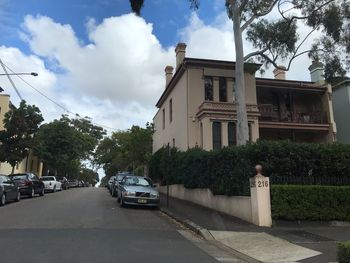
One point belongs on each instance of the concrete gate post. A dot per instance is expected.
(260, 199)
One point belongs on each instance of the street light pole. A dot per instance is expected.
(10, 79)
(16, 74)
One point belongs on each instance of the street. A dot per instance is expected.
(87, 225)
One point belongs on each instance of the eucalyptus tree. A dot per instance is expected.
(275, 37)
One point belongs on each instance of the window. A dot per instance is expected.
(231, 133)
(201, 135)
(250, 131)
(216, 135)
(222, 89)
(208, 88)
(171, 110)
(163, 119)
(233, 91)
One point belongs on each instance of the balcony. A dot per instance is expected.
(269, 114)
(224, 108)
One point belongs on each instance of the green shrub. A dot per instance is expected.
(344, 252)
(310, 202)
(227, 171)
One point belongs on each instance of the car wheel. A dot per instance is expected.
(3, 200)
(18, 197)
(42, 192)
(32, 193)
(122, 203)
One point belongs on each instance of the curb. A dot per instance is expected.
(189, 224)
(204, 233)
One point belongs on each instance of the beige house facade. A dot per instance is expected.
(31, 163)
(197, 107)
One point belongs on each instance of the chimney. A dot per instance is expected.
(316, 72)
(180, 51)
(280, 73)
(168, 75)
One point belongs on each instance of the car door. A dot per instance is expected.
(10, 188)
(36, 182)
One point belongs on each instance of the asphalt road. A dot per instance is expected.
(87, 225)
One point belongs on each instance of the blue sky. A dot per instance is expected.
(167, 16)
(95, 57)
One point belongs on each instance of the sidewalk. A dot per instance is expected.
(305, 239)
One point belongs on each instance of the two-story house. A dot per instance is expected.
(197, 107)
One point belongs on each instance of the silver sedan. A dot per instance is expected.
(137, 190)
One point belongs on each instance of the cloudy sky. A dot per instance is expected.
(97, 59)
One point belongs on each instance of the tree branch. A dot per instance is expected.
(256, 53)
(248, 22)
(282, 13)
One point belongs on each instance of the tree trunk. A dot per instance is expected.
(242, 118)
(13, 169)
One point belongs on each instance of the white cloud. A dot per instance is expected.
(118, 75)
(216, 41)
(116, 78)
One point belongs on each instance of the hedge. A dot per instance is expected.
(344, 252)
(227, 171)
(310, 202)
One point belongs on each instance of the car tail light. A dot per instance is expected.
(28, 182)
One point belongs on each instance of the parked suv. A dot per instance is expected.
(29, 184)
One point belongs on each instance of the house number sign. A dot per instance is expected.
(259, 184)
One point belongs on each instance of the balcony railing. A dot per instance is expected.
(269, 113)
(223, 106)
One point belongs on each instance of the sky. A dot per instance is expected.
(97, 59)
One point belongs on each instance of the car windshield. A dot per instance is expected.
(3, 178)
(120, 177)
(137, 181)
(19, 177)
(48, 178)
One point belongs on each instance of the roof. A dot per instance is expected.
(209, 63)
(290, 84)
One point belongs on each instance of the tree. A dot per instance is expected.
(58, 145)
(17, 139)
(89, 176)
(276, 40)
(126, 150)
(64, 144)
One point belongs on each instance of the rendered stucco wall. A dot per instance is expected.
(238, 206)
(341, 107)
(177, 128)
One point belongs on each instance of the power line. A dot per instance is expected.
(47, 97)
(10, 79)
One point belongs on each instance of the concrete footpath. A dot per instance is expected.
(308, 242)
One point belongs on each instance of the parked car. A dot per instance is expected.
(8, 190)
(81, 183)
(73, 183)
(29, 184)
(137, 190)
(64, 181)
(110, 181)
(51, 184)
(115, 187)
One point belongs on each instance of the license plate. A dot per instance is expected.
(142, 201)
